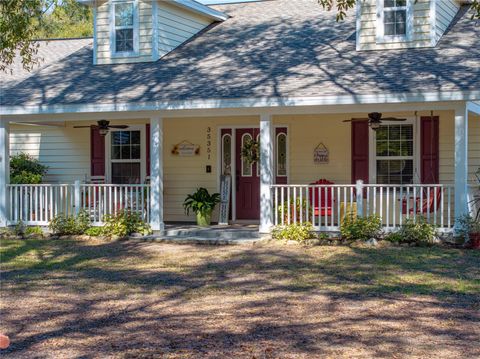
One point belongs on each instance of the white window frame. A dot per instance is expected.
(373, 151)
(381, 37)
(143, 153)
(113, 29)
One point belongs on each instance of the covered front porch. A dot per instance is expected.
(287, 184)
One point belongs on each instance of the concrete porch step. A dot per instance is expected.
(202, 240)
(213, 232)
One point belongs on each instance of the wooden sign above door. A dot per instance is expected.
(186, 148)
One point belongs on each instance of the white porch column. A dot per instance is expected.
(461, 161)
(4, 171)
(156, 174)
(266, 173)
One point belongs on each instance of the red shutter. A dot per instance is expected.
(429, 149)
(147, 144)
(360, 151)
(97, 152)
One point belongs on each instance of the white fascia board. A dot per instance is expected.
(201, 9)
(260, 102)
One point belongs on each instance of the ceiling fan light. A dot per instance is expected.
(103, 131)
(374, 125)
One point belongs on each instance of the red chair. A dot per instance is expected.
(424, 204)
(322, 206)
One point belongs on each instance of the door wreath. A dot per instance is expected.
(251, 151)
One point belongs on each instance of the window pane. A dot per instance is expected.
(135, 137)
(389, 29)
(394, 132)
(116, 152)
(125, 152)
(382, 133)
(124, 14)
(126, 173)
(382, 148)
(135, 152)
(389, 3)
(406, 132)
(394, 149)
(407, 148)
(389, 17)
(282, 155)
(401, 2)
(246, 167)
(124, 40)
(395, 171)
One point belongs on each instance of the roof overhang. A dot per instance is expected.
(191, 5)
(244, 103)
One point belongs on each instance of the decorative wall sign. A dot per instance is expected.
(320, 154)
(225, 188)
(186, 148)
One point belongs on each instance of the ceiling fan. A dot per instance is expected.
(375, 120)
(104, 126)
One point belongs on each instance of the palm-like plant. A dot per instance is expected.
(202, 204)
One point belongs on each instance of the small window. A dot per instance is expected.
(395, 18)
(281, 155)
(124, 27)
(395, 154)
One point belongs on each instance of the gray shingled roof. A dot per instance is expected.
(278, 48)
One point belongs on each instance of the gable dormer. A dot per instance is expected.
(397, 24)
(127, 31)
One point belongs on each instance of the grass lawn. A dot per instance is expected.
(129, 299)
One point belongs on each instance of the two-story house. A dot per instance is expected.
(379, 112)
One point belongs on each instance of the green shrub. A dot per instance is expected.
(414, 231)
(94, 231)
(467, 225)
(287, 209)
(294, 232)
(70, 225)
(362, 228)
(24, 169)
(33, 230)
(124, 223)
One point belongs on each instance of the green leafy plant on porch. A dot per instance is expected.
(414, 230)
(361, 228)
(294, 232)
(292, 209)
(24, 169)
(123, 224)
(202, 203)
(66, 225)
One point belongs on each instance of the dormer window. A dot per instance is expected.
(124, 31)
(393, 23)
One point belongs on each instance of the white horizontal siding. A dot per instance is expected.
(176, 25)
(171, 27)
(445, 11)
(66, 151)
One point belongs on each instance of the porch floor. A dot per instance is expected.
(215, 234)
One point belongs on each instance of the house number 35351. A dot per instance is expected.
(209, 143)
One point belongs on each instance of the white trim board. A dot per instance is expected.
(260, 102)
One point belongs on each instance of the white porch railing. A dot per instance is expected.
(324, 206)
(38, 204)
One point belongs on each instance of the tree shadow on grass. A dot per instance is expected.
(300, 301)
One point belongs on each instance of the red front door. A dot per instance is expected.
(247, 178)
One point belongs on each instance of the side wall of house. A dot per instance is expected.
(175, 26)
(421, 32)
(162, 27)
(67, 151)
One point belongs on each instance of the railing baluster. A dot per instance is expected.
(289, 205)
(449, 207)
(301, 205)
(275, 206)
(282, 213)
(442, 213)
(387, 205)
(320, 190)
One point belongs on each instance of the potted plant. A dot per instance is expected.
(470, 230)
(202, 204)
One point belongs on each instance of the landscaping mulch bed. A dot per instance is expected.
(128, 299)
